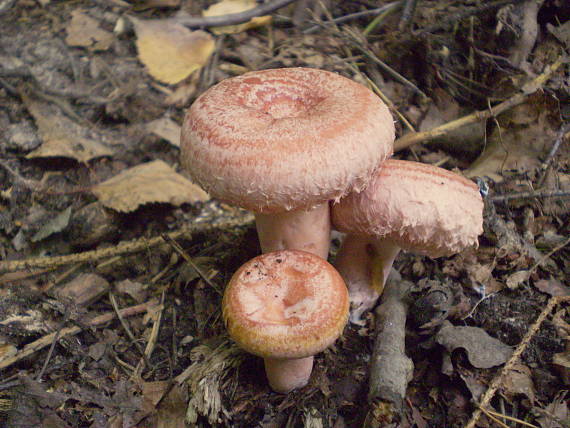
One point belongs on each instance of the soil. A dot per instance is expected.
(76, 111)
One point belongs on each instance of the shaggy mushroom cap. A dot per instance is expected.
(421, 208)
(285, 139)
(285, 304)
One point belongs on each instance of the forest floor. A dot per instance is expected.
(112, 263)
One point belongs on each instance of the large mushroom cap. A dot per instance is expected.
(422, 208)
(282, 139)
(285, 304)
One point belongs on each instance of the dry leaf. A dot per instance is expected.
(147, 183)
(519, 381)
(84, 31)
(165, 128)
(228, 7)
(553, 287)
(61, 136)
(522, 138)
(54, 225)
(483, 351)
(518, 278)
(170, 51)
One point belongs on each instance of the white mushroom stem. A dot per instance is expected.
(285, 375)
(365, 264)
(307, 230)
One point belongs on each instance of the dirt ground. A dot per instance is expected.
(113, 264)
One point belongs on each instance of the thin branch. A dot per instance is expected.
(46, 340)
(498, 380)
(563, 133)
(232, 19)
(530, 195)
(176, 246)
(240, 219)
(352, 16)
(426, 136)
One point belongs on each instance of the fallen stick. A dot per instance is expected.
(390, 368)
(241, 219)
(426, 136)
(498, 380)
(47, 340)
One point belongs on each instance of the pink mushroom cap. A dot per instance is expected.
(286, 304)
(421, 208)
(285, 139)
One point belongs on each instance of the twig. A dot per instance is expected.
(426, 136)
(530, 195)
(46, 340)
(189, 260)
(563, 133)
(497, 381)
(509, 418)
(407, 14)
(240, 219)
(232, 19)
(352, 16)
(348, 35)
(548, 255)
(126, 327)
(390, 368)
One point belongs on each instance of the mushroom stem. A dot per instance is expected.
(285, 375)
(307, 230)
(365, 263)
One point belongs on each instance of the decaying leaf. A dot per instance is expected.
(84, 289)
(553, 287)
(516, 279)
(228, 7)
(165, 128)
(85, 32)
(134, 289)
(519, 142)
(519, 381)
(483, 351)
(55, 225)
(170, 51)
(147, 183)
(61, 136)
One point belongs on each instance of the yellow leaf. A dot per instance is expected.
(228, 7)
(170, 51)
(152, 182)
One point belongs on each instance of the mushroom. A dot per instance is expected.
(286, 306)
(282, 143)
(408, 205)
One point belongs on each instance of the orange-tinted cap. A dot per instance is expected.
(422, 208)
(283, 139)
(285, 304)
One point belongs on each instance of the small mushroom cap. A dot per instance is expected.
(422, 208)
(283, 139)
(285, 304)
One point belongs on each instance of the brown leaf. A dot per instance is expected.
(147, 183)
(84, 289)
(553, 287)
(61, 136)
(170, 51)
(483, 351)
(84, 31)
(165, 128)
(519, 381)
